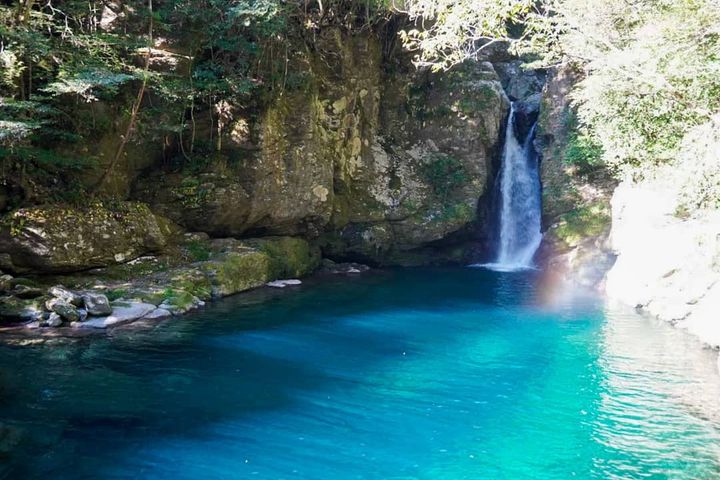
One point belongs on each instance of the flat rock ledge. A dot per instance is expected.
(122, 313)
(100, 302)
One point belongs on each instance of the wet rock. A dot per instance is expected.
(96, 304)
(55, 320)
(58, 291)
(63, 308)
(283, 283)
(5, 282)
(13, 309)
(157, 313)
(328, 266)
(123, 312)
(24, 291)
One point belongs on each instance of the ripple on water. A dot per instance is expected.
(416, 374)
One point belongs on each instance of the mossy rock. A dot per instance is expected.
(177, 300)
(289, 256)
(235, 272)
(583, 222)
(193, 281)
(13, 309)
(61, 239)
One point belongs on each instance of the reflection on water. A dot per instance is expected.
(414, 374)
(639, 412)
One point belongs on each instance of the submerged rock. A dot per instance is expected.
(10, 438)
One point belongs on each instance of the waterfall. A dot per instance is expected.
(520, 209)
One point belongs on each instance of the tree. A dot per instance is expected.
(651, 67)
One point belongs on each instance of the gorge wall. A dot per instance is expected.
(364, 156)
(631, 240)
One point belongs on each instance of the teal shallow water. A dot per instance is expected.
(412, 374)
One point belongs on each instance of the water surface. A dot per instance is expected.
(409, 374)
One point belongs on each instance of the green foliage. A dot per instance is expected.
(198, 251)
(582, 151)
(445, 174)
(585, 221)
(116, 294)
(454, 30)
(86, 83)
(651, 72)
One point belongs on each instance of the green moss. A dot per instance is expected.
(478, 102)
(457, 213)
(193, 281)
(190, 192)
(180, 299)
(236, 272)
(116, 293)
(289, 257)
(133, 270)
(198, 250)
(583, 222)
(445, 174)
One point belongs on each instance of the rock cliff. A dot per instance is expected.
(356, 151)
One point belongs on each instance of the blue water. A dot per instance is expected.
(411, 374)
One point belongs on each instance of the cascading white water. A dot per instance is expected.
(520, 234)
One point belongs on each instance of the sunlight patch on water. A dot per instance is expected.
(504, 267)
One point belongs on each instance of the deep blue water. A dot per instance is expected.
(410, 374)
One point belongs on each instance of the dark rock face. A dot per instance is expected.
(370, 159)
(524, 88)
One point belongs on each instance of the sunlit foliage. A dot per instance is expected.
(651, 70)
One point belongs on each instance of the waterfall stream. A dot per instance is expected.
(520, 208)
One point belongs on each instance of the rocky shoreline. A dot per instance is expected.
(156, 287)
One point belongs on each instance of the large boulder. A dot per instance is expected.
(57, 239)
(96, 304)
(252, 263)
